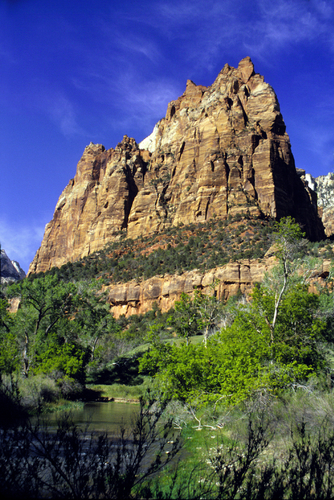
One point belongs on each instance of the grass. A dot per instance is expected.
(62, 405)
(186, 476)
(140, 349)
(197, 339)
(121, 391)
(282, 443)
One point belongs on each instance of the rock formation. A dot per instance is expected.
(219, 150)
(324, 188)
(138, 297)
(10, 270)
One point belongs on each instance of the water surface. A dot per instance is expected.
(107, 416)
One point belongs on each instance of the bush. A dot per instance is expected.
(36, 390)
(69, 387)
(72, 464)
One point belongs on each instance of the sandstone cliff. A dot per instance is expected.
(138, 297)
(219, 150)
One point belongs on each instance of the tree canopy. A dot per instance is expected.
(271, 342)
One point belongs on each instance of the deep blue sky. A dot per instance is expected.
(76, 71)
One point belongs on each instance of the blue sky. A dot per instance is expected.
(76, 71)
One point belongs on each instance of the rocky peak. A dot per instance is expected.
(324, 187)
(246, 69)
(220, 150)
(10, 270)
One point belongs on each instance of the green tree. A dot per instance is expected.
(67, 359)
(5, 318)
(185, 318)
(210, 311)
(241, 358)
(45, 302)
(9, 351)
(287, 239)
(271, 342)
(93, 317)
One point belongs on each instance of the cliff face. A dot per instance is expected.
(138, 297)
(219, 150)
(324, 188)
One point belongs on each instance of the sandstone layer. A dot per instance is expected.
(219, 150)
(138, 297)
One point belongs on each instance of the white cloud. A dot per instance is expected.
(325, 9)
(261, 27)
(139, 45)
(62, 112)
(151, 95)
(285, 22)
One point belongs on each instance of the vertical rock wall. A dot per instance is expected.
(219, 150)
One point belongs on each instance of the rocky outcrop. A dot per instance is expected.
(324, 188)
(139, 297)
(10, 270)
(327, 216)
(220, 150)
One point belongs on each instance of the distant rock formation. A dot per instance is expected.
(219, 151)
(324, 187)
(10, 270)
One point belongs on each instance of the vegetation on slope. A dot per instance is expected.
(63, 328)
(256, 352)
(183, 248)
(196, 246)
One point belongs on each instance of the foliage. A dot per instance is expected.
(57, 330)
(175, 249)
(65, 330)
(186, 319)
(46, 308)
(68, 359)
(273, 342)
(75, 464)
(210, 311)
(252, 459)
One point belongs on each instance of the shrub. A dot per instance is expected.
(38, 389)
(35, 463)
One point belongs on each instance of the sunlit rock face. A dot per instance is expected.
(139, 297)
(220, 150)
(11, 270)
(324, 187)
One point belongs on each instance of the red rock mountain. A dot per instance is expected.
(219, 150)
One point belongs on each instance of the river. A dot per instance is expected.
(106, 416)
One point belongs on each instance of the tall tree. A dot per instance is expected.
(185, 318)
(44, 303)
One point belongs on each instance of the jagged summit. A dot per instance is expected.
(10, 270)
(219, 151)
